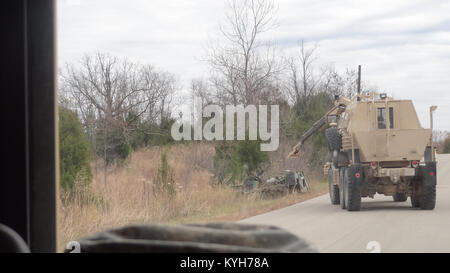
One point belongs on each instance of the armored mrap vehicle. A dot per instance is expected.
(377, 145)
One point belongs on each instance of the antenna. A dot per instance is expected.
(359, 82)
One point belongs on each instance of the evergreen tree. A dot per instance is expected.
(74, 151)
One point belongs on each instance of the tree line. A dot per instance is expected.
(114, 105)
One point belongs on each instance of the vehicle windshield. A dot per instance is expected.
(174, 112)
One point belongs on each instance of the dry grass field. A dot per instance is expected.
(127, 196)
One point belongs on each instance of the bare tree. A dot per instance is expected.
(302, 82)
(110, 94)
(440, 138)
(344, 84)
(349, 83)
(159, 87)
(243, 66)
(201, 89)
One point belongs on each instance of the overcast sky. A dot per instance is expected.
(402, 45)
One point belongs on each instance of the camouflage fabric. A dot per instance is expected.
(195, 238)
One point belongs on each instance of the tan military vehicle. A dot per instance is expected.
(377, 145)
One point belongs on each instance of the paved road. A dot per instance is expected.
(396, 226)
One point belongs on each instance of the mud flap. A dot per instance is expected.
(353, 185)
(428, 173)
(358, 180)
(427, 199)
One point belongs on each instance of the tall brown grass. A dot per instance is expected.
(127, 196)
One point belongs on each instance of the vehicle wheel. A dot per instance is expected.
(333, 189)
(334, 139)
(428, 198)
(400, 197)
(352, 192)
(415, 192)
(341, 188)
(415, 201)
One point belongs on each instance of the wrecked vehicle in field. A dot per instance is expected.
(291, 181)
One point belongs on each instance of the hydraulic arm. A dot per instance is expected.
(337, 109)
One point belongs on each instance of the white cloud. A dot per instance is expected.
(404, 46)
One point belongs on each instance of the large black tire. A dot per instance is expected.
(334, 139)
(415, 201)
(415, 194)
(400, 197)
(352, 191)
(341, 188)
(428, 198)
(333, 189)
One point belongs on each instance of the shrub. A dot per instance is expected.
(306, 113)
(117, 145)
(234, 161)
(164, 182)
(74, 151)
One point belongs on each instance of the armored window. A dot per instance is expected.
(381, 117)
(391, 117)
